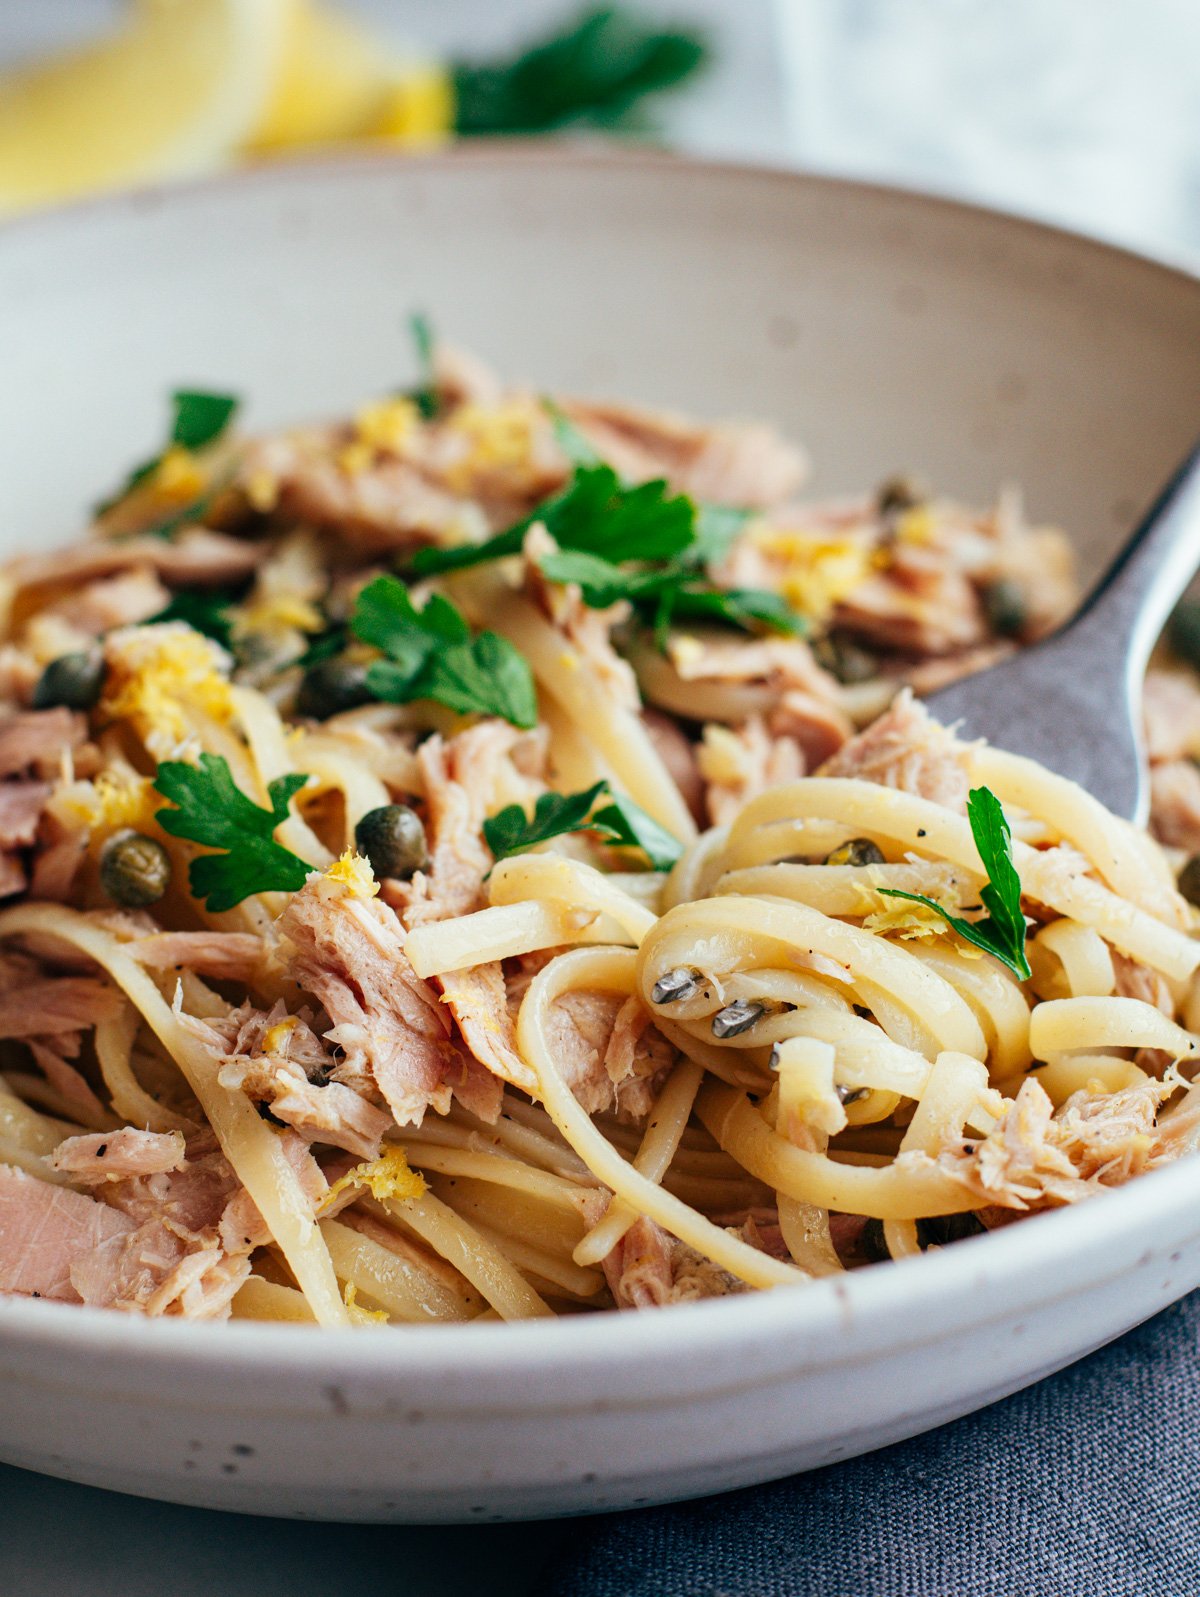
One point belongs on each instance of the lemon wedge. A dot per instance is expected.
(331, 82)
(179, 87)
(337, 81)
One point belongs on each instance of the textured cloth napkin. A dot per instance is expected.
(1087, 1485)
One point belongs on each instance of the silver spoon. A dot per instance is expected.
(1074, 701)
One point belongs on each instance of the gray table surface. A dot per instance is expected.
(62, 1540)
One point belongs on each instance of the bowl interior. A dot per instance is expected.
(886, 330)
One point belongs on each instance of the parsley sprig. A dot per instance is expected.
(214, 811)
(672, 592)
(425, 395)
(594, 513)
(430, 654)
(635, 542)
(598, 72)
(620, 822)
(199, 418)
(206, 611)
(1002, 931)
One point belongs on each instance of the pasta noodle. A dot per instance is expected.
(443, 882)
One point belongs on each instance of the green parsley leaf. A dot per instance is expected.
(661, 595)
(601, 582)
(597, 72)
(627, 824)
(621, 822)
(716, 528)
(213, 810)
(486, 677)
(749, 608)
(595, 513)
(206, 612)
(199, 418)
(386, 617)
(511, 830)
(431, 655)
(599, 515)
(1002, 931)
(425, 395)
(323, 646)
(578, 449)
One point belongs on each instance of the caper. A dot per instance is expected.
(73, 681)
(1189, 880)
(1183, 632)
(684, 982)
(737, 1017)
(393, 839)
(844, 659)
(938, 1230)
(134, 870)
(858, 851)
(1005, 606)
(898, 494)
(331, 686)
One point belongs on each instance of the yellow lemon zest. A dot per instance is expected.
(910, 921)
(112, 802)
(387, 425)
(354, 873)
(279, 613)
(178, 475)
(354, 458)
(386, 1177)
(917, 526)
(262, 490)
(817, 578)
(499, 438)
(358, 1314)
(157, 673)
(275, 1037)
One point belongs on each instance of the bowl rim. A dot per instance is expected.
(613, 1341)
(906, 1292)
(589, 154)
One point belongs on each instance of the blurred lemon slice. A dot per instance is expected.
(338, 81)
(331, 83)
(180, 86)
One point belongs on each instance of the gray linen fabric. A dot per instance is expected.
(1087, 1485)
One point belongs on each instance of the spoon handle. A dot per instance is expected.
(1126, 611)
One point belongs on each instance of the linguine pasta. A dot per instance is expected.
(484, 859)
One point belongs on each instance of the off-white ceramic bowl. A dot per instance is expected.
(886, 330)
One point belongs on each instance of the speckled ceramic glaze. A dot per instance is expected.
(887, 331)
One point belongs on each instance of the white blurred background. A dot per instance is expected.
(1085, 112)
